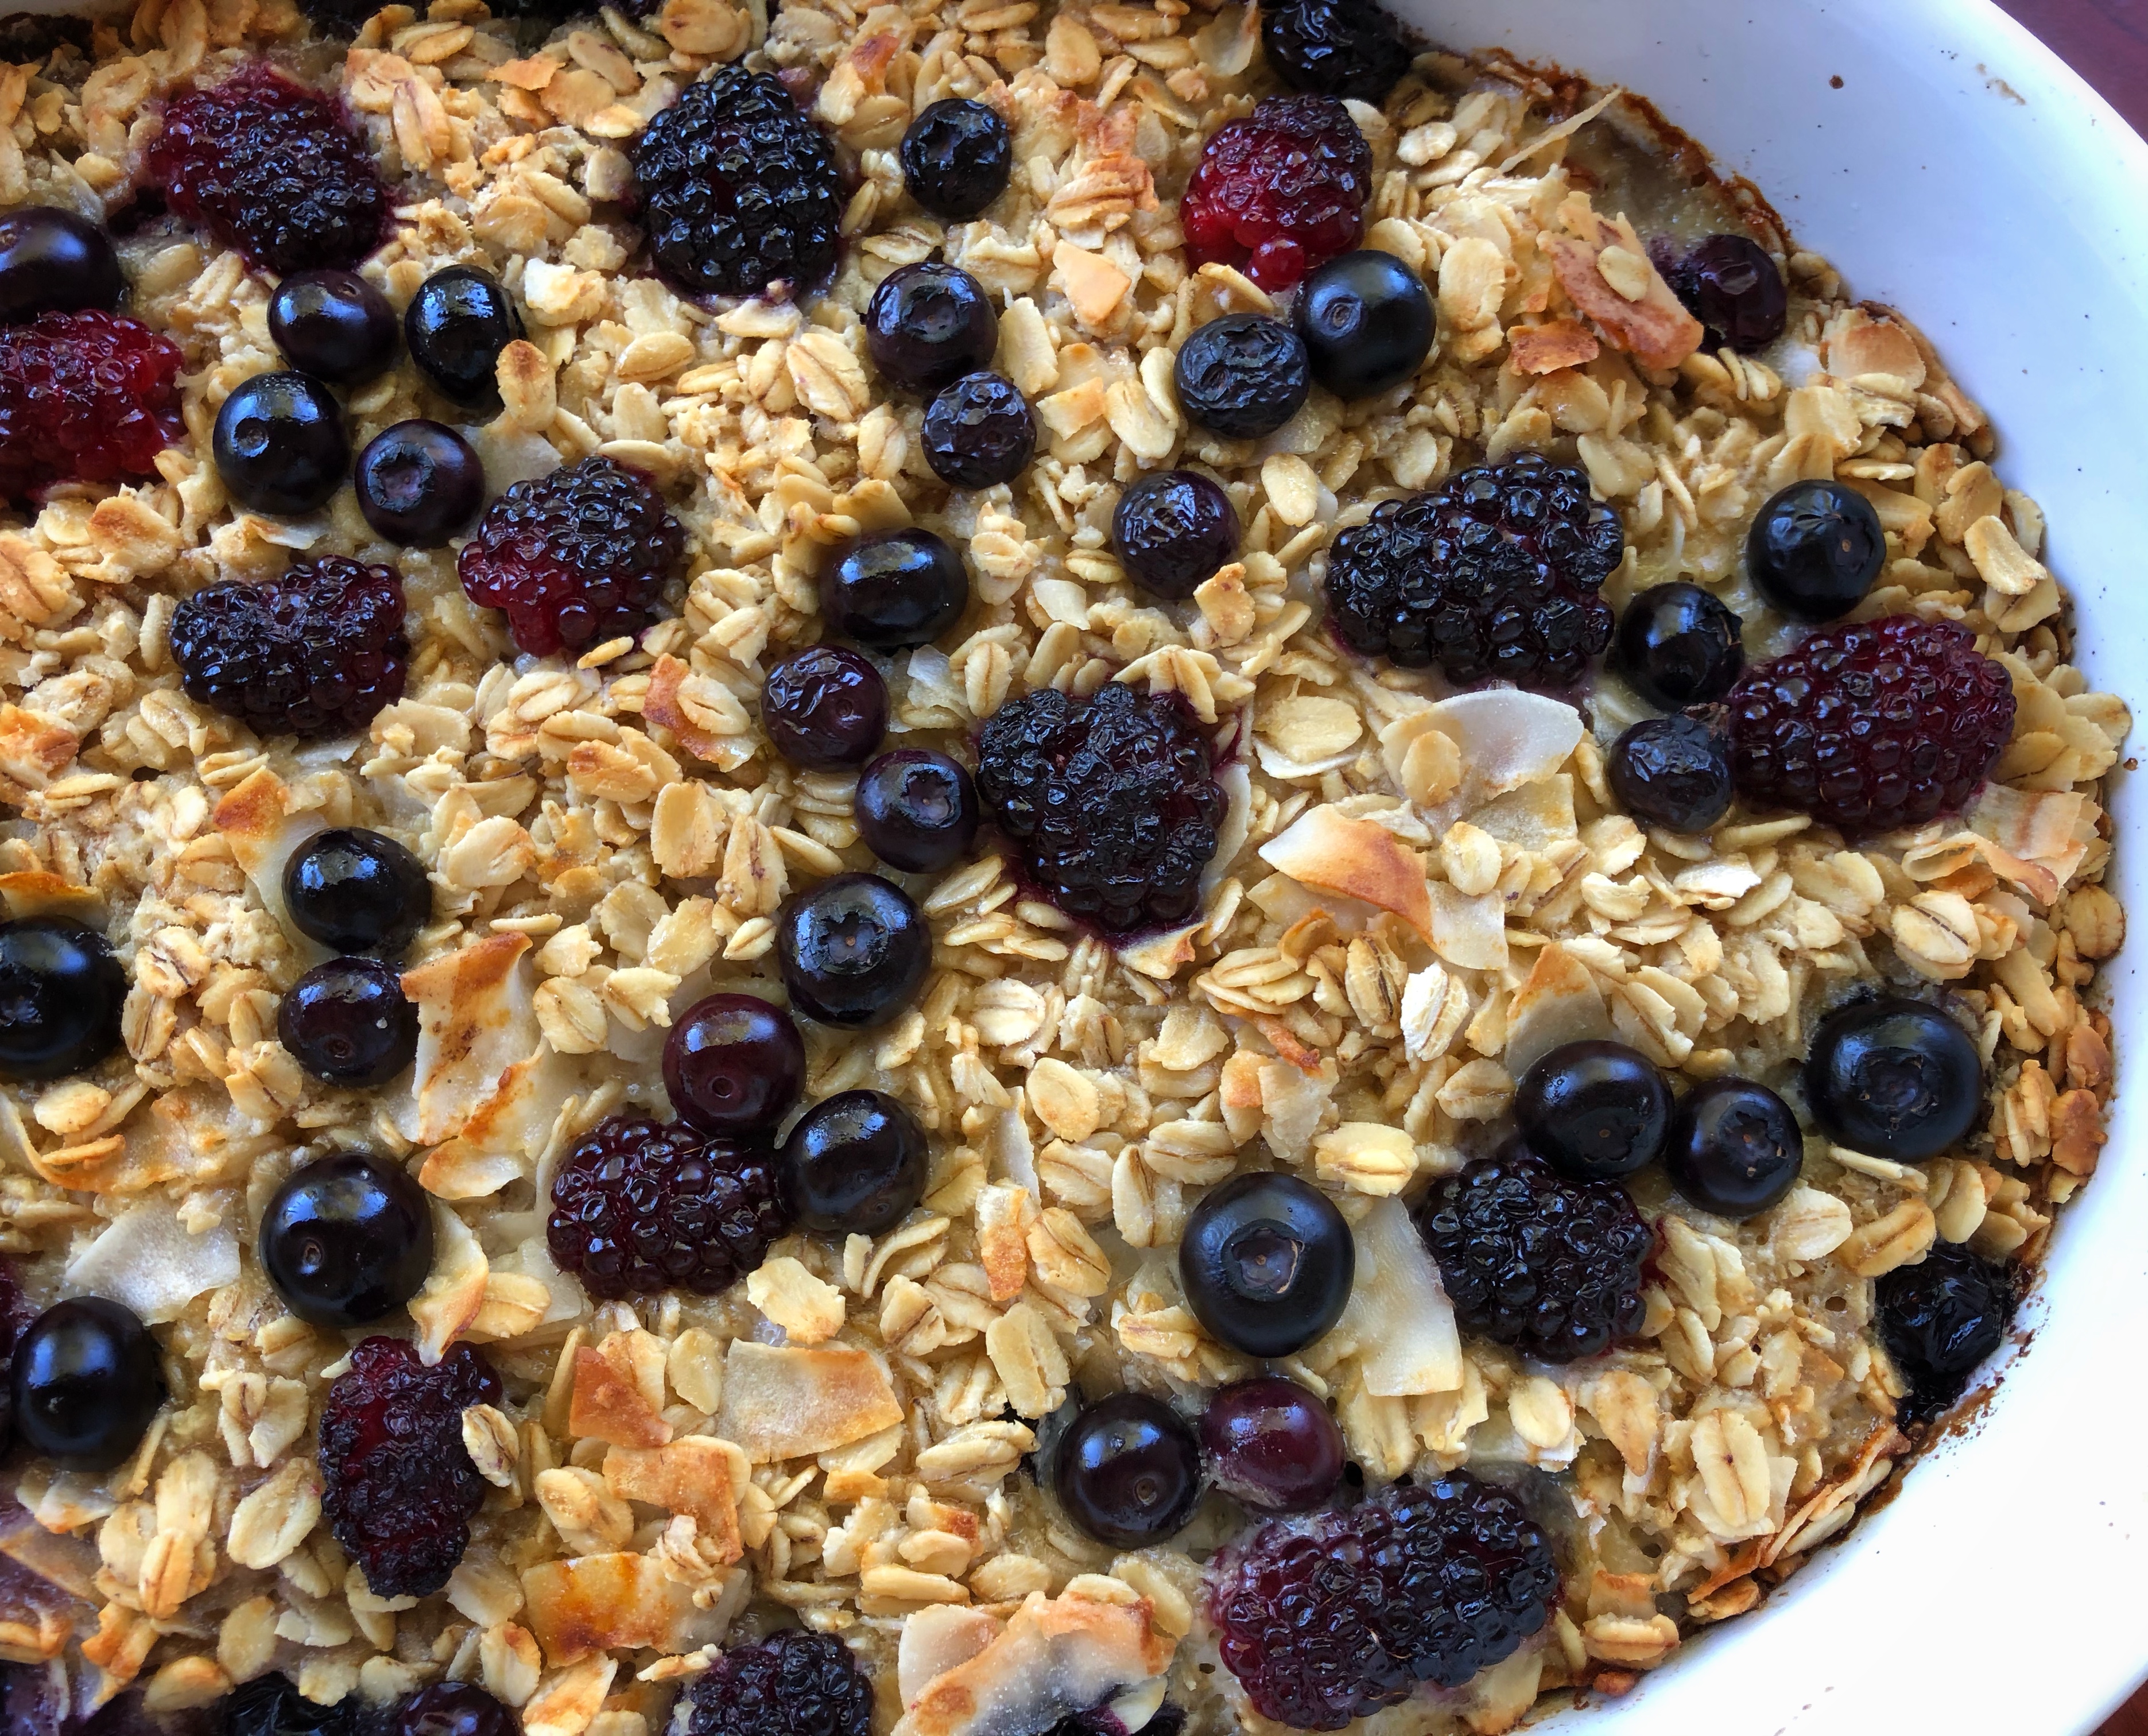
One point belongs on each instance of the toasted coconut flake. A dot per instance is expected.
(690, 1476)
(478, 1038)
(1508, 738)
(1054, 1656)
(593, 1603)
(610, 1405)
(148, 1260)
(1398, 1320)
(1559, 1002)
(782, 1403)
(1327, 849)
(937, 1638)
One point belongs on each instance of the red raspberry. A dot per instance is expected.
(1872, 727)
(575, 558)
(84, 398)
(1280, 191)
(398, 1485)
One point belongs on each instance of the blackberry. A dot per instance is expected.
(1336, 47)
(85, 397)
(398, 1487)
(1280, 192)
(1326, 1619)
(1940, 1319)
(1243, 376)
(792, 1683)
(640, 1206)
(1111, 799)
(957, 158)
(317, 652)
(575, 558)
(739, 190)
(979, 433)
(1493, 577)
(1529, 1258)
(1872, 727)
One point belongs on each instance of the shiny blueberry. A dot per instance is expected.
(1893, 1078)
(1732, 286)
(1816, 550)
(55, 262)
(1266, 1262)
(1593, 1110)
(1367, 323)
(1243, 376)
(270, 1705)
(354, 891)
(456, 326)
(979, 432)
(928, 324)
(733, 1065)
(1127, 1471)
(1679, 646)
(957, 158)
(334, 325)
(348, 1022)
(896, 592)
(419, 484)
(916, 810)
(1735, 1148)
(1172, 530)
(855, 1164)
(85, 1383)
(454, 1709)
(280, 445)
(61, 990)
(1673, 772)
(1271, 1445)
(824, 707)
(1940, 1317)
(347, 1239)
(853, 951)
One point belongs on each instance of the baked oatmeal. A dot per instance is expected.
(977, 869)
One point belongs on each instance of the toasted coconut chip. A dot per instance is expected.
(454, 1289)
(595, 1603)
(1469, 932)
(691, 1476)
(1399, 1321)
(1558, 1003)
(1508, 738)
(782, 1402)
(477, 1034)
(609, 1403)
(1327, 849)
(33, 892)
(150, 1261)
(1054, 1656)
(937, 1638)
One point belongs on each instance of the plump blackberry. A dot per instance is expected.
(1279, 192)
(1112, 800)
(1940, 1319)
(575, 558)
(1532, 1259)
(317, 652)
(272, 169)
(980, 432)
(1871, 727)
(398, 1487)
(792, 1683)
(1494, 576)
(640, 1206)
(739, 190)
(1335, 48)
(1328, 1618)
(84, 397)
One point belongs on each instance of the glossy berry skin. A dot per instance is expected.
(1266, 1262)
(916, 810)
(84, 1383)
(928, 324)
(855, 1164)
(1816, 550)
(895, 592)
(55, 262)
(1127, 1471)
(1735, 1148)
(454, 1709)
(1593, 1110)
(84, 397)
(1271, 1445)
(419, 484)
(1893, 1078)
(1672, 772)
(347, 1239)
(333, 324)
(1335, 48)
(456, 326)
(824, 707)
(348, 1022)
(791, 1683)
(1367, 322)
(280, 445)
(1279, 193)
(1243, 376)
(1171, 530)
(1939, 1319)
(957, 158)
(61, 990)
(980, 432)
(1679, 646)
(733, 1066)
(355, 891)
(270, 1705)
(1732, 286)
(853, 951)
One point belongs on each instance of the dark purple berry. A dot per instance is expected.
(1735, 1148)
(454, 1708)
(1816, 550)
(853, 951)
(791, 1683)
(896, 591)
(979, 433)
(456, 326)
(930, 323)
(855, 1164)
(280, 445)
(824, 707)
(85, 1382)
(957, 158)
(1893, 1078)
(1127, 1471)
(354, 891)
(271, 1705)
(1940, 1319)
(1593, 1110)
(1679, 646)
(1271, 1445)
(333, 324)
(1673, 772)
(1346, 49)
(1243, 376)
(1732, 286)
(1367, 322)
(419, 484)
(61, 991)
(347, 1239)
(348, 1022)
(1266, 1262)
(1172, 530)
(55, 262)
(733, 1065)
(916, 810)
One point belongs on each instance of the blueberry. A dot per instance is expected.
(419, 484)
(85, 1383)
(1367, 323)
(1348, 49)
(824, 707)
(1731, 285)
(334, 325)
(928, 324)
(855, 1164)
(852, 950)
(454, 1709)
(1735, 1148)
(1816, 550)
(1243, 376)
(957, 158)
(55, 262)
(348, 1022)
(1679, 646)
(1673, 772)
(1893, 1078)
(1271, 1445)
(1266, 1263)
(1172, 530)
(280, 444)
(916, 810)
(895, 592)
(270, 1706)
(347, 1239)
(1127, 1471)
(61, 990)
(979, 433)
(456, 326)
(1593, 1110)
(354, 891)
(733, 1065)
(1939, 1319)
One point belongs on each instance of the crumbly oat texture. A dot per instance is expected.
(1413, 895)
